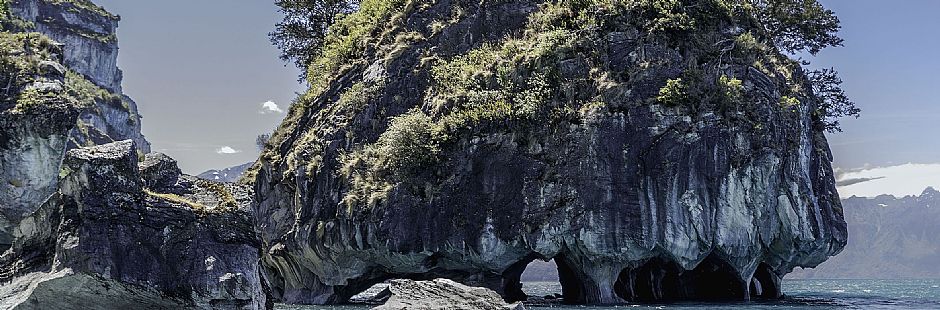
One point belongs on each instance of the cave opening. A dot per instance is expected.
(656, 280)
(714, 280)
(660, 280)
(538, 282)
(765, 284)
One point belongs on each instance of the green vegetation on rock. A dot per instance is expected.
(25, 58)
(410, 145)
(304, 27)
(350, 35)
(33, 78)
(78, 6)
(553, 71)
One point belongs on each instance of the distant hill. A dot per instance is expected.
(228, 175)
(889, 238)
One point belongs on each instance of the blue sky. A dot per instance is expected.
(202, 69)
(890, 67)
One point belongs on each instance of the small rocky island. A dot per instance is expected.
(655, 150)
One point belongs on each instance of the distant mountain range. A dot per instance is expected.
(227, 175)
(889, 238)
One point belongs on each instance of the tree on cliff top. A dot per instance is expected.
(304, 27)
(791, 26)
(798, 25)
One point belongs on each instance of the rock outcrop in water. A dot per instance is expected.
(118, 235)
(650, 159)
(442, 294)
(89, 43)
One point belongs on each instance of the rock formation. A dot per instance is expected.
(118, 235)
(892, 238)
(442, 294)
(38, 108)
(97, 230)
(90, 48)
(651, 159)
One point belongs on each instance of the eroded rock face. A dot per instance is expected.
(90, 48)
(33, 133)
(109, 239)
(636, 198)
(443, 294)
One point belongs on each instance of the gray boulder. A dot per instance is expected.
(159, 171)
(443, 294)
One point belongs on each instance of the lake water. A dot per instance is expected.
(801, 294)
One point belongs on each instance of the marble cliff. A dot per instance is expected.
(655, 152)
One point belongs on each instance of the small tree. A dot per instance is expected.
(798, 25)
(300, 34)
(805, 25)
(833, 103)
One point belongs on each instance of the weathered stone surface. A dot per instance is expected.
(90, 48)
(104, 242)
(634, 199)
(159, 171)
(443, 294)
(32, 139)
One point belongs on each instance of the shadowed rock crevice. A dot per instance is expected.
(766, 284)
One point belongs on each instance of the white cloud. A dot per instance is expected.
(902, 180)
(269, 107)
(227, 150)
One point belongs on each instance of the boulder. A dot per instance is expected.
(159, 171)
(443, 294)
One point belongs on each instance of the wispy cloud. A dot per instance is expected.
(227, 150)
(900, 180)
(269, 107)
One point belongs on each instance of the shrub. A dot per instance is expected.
(675, 93)
(411, 144)
(348, 36)
(731, 89)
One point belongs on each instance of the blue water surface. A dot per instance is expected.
(800, 294)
